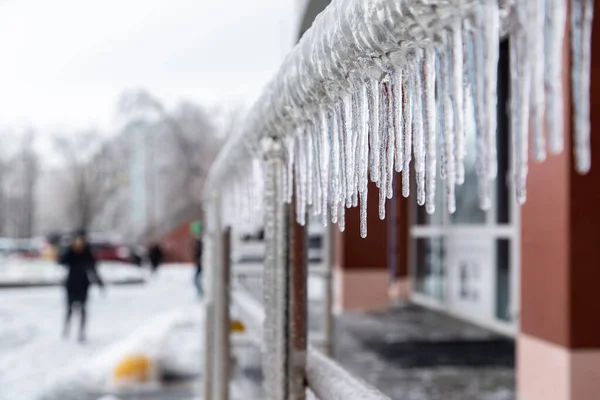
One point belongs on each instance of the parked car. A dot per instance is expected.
(106, 251)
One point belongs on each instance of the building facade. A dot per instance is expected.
(528, 272)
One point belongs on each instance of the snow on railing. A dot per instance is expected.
(376, 84)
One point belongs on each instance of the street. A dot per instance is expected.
(33, 353)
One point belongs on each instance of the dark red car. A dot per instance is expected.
(106, 251)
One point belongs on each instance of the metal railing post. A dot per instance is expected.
(297, 311)
(211, 242)
(285, 273)
(328, 322)
(222, 372)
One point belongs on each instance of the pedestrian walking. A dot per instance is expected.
(198, 261)
(156, 257)
(81, 263)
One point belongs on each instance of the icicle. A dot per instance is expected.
(363, 213)
(289, 173)
(363, 178)
(556, 16)
(383, 154)
(324, 163)
(469, 90)
(582, 13)
(477, 56)
(520, 73)
(342, 218)
(309, 149)
(335, 167)
(343, 160)
(300, 178)
(407, 110)
(398, 118)
(449, 126)
(391, 145)
(356, 147)
(457, 89)
(346, 116)
(441, 114)
(316, 146)
(537, 13)
(373, 93)
(418, 144)
(430, 126)
(491, 46)
(382, 199)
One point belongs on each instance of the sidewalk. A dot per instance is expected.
(413, 353)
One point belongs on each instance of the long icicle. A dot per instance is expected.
(383, 154)
(430, 126)
(449, 109)
(335, 167)
(520, 73)
(419, 132)
(398, 118)
(357, 122)
(309, 149)
(289, 147)
(317, 190)
(491, 35)
(537, 14)
(407, 110)
(477, 52)
(391, 136)
(325, 164)
(347, 116)
(582, 14)
(556, 18)
(457, 89)
(373, 94)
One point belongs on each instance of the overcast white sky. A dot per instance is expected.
(65, 62)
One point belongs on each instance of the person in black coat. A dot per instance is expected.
(198, 261)
(156, 257)
(81, 263)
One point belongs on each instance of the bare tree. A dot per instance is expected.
(95, 173)
(19, 172)
(185, 142)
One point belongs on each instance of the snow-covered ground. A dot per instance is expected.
(18, 271)
(34, 357)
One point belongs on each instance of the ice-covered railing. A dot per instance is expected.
(377, 85)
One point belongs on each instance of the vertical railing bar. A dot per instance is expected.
(222, 318)
(297, 307)
(211, 260)
(275, 275)
(328, 328)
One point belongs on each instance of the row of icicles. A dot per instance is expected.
(379, 127)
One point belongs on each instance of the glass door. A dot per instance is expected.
(465, 262)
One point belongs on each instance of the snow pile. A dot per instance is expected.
(173, 342)
(383, 86)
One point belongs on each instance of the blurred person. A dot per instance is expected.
(156, 257)
(198, 261)
(81, 263)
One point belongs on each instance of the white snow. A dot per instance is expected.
(33, 355)
(14, 270)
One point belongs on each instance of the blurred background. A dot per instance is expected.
(112, 113)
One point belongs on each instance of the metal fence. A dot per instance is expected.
(372, 86)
